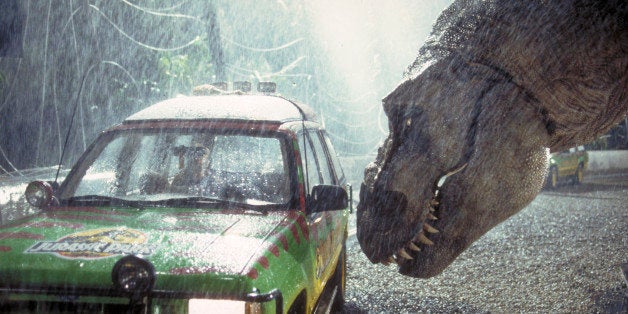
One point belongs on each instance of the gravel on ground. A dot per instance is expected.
(561, 254)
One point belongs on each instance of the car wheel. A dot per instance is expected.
(298, 306)
(552, 178)
(339, 281)
(579, 174)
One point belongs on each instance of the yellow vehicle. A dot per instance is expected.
(568, 164)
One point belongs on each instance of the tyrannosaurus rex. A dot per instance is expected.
(498, 85)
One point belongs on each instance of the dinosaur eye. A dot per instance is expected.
(409, 122)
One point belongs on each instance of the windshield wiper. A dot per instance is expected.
(102, 201)
(203, 201)
(195, 200)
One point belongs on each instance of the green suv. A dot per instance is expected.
(226, 203)
(568, 164)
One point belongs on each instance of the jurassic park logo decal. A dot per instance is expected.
(96, 243)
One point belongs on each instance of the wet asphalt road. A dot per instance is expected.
(561, 254)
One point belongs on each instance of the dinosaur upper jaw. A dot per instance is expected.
(422, 218)
(420, 234)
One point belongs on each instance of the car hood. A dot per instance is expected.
(79, 246)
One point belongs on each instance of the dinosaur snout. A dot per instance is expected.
(403, 223)
(385, 203)
(382, 222)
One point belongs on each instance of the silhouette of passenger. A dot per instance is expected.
(194, 171)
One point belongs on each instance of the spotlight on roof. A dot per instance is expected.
(221, 86)
(242, 86)
(267, 87)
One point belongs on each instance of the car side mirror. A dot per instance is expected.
(327, 198)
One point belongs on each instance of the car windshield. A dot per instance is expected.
(180, 167)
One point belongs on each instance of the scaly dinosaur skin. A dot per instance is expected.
(497, 84)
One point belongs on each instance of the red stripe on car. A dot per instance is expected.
(284, 241)
(303, 225)
(274, 249)
(49, 224)
(264, 262)
(20, 235)
(295, 233)
(252, 273)
(81, 217)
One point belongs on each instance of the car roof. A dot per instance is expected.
(266, 108)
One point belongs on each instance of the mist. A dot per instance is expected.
(70, 69)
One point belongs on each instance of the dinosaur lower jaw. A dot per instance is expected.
(429, 214)
(392, 230)
(410, 233)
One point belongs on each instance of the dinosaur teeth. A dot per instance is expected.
(423, 239)
(389, 261)
(429, 228)
(402, 252)
(413, 247)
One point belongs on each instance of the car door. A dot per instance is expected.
(325, 227)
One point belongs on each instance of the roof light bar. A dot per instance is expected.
(206, 90)
(267, 87)
(221, 85)
(243, 86)
(218, 88)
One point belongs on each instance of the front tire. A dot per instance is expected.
(339, 281)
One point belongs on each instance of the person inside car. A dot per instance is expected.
(196, 159)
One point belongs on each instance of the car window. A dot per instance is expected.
(246, 154)
(254, 166)
(334, 159)
(248, 168)
(101, 175)
(312, 173)
(321, 158)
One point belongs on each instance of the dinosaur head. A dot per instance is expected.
(496, 86)
(443, 178)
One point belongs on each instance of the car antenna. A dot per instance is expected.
(67, 135)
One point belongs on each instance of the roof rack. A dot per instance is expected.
(238, 87)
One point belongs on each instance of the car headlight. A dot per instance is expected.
(222, 306)
(38, 193)
(133, 275)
